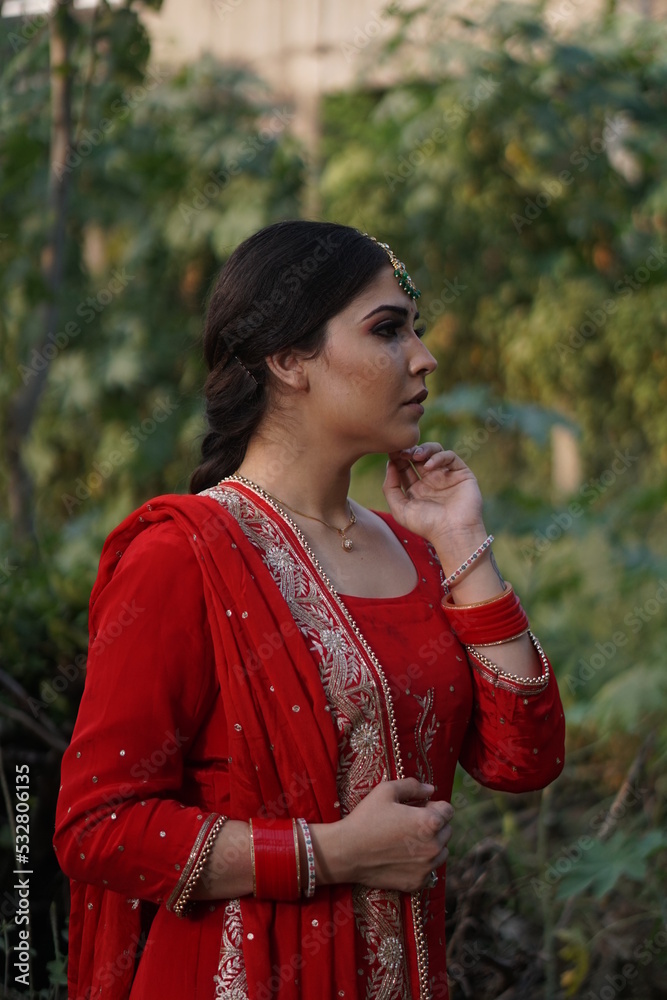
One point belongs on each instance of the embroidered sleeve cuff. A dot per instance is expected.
(192, 869)
(511, 682)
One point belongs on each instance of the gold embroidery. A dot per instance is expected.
(423, 742)
(424, 737)
(231, 982)
(377, 915)
(351, 689)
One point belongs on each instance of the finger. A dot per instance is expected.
(443, 808)
(421, 452)
(410, 789)
(411, 458)
(409, 474)
(445, 834)
(393, 489)
(439, 860)
(433, 820)
(447, 460)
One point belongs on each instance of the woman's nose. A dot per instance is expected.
(422, 360)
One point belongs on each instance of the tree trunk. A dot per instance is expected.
(23, 406)
(566, 471)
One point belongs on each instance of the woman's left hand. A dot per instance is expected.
(441, 499)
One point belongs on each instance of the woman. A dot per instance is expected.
(255, 800)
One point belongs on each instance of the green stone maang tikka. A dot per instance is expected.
(400, 270)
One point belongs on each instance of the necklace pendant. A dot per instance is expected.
(347, 544)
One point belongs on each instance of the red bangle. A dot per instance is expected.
(489, 623)
(276, 873)
(491, 606)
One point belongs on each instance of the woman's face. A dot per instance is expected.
(372, 367)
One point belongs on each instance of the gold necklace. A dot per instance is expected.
(347, 542)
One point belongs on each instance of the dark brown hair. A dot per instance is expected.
(278, 290)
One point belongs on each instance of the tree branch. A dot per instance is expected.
(22, 696)
(57, 742)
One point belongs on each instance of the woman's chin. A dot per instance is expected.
(409, 437)
(402, 441)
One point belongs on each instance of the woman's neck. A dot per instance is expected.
(300, 475)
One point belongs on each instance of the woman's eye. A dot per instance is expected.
(386, 329)
(391, 329)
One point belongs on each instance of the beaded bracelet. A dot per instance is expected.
(449, 582)
(310, 857)
(516, 681)
(276, 873)
(184, 899)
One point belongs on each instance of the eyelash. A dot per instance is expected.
(389, 329)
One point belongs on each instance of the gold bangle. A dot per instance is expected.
(502, 675)
(500, 642)
(252, 860)
(298, 859)
(180, 907)
(476, 604)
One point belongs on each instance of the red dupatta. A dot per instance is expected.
(313, 710)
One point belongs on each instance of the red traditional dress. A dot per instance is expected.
(226, 676)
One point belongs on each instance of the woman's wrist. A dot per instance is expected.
(454, 546)
(228, 870)
(481, 579)
(331, 864)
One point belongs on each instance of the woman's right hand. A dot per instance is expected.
(393, 839)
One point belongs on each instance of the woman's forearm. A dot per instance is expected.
(480, 583)
(228, 871)
(392, 839)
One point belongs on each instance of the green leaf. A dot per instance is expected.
(600, 868)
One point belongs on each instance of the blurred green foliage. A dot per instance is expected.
(521, 175)
(520, 172)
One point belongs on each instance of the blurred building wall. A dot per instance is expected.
(306, 48)
(322, 45)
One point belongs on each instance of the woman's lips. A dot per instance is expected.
(415, 403)
(415, 408)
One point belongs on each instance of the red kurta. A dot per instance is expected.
(152, 763)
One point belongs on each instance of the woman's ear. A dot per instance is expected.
(289, 368)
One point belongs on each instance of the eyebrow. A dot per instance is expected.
(400, 310)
